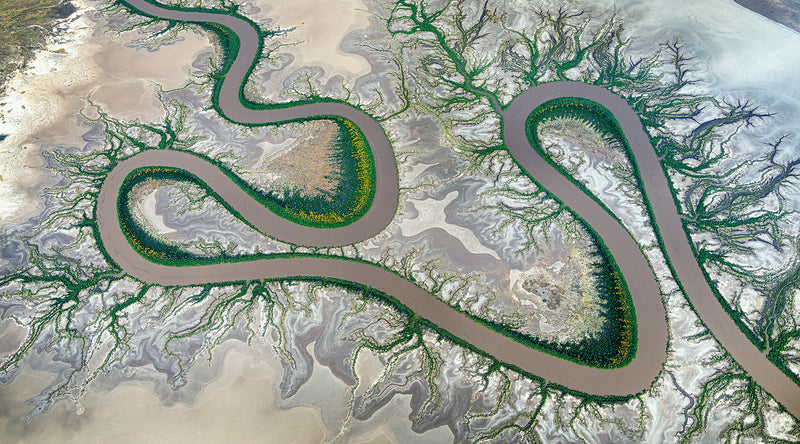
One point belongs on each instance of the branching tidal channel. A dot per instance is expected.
(632, 353)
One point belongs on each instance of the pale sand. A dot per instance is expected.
(237, 407)
(368, 367)
(148, 208)
(321, 26)
(42, 103)
(389, 424)
(431, 215)
(128, 90)
(11, 337)
(381, 435)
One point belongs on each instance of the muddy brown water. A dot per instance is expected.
(652, 326)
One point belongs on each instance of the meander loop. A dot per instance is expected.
(652, 335)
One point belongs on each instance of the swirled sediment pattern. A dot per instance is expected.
(652, 326)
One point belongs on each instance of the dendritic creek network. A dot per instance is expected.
(591, 224)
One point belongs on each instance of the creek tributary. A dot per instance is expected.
(652, 326)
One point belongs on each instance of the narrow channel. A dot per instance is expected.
(652, 327)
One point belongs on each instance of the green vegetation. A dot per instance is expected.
(147, 244)
(614, 347)
(451, 69)
(229, 43)
(415, 327)
(599, 118)
(351, 152)
(560, 48)
(734, 392)
(350, 155)
(61, 286)
(590, 113)
(776, 354)
(354, 193)
(24, 24)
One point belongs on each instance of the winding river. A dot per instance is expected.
(652, 325)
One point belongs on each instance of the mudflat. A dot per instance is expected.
(652, 327)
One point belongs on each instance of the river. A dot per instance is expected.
(652, 325)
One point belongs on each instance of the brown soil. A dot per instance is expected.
(306, 165)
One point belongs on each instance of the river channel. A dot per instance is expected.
(652, 326)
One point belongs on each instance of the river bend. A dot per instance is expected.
(652, 325)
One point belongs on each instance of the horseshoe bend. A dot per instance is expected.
(652, 329)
